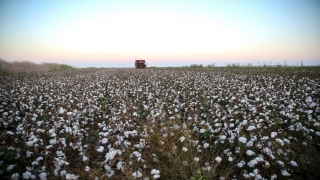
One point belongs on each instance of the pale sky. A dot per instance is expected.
(114, 33)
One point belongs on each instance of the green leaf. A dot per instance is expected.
(10, 155)
(198, 171)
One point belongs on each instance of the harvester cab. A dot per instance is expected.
(140, 64)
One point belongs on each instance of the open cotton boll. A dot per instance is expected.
(28, 175)
(241, 164)
(285, 173)
(110, 155)
(250, 153)
(136, 175)
(223, 137)
(71, 176)
(230, 159)
(182, 138)
(184, 149)
(251, 128)
(293, 163)
(218, 159)
(155, 174)
(10, 167)
(280, 141)
(43, 176)
(85, 158)
(252, 163)
(104, 141)
(100, 149)
(15, 176)
(280, 163)
(273, 134)
(242, 139)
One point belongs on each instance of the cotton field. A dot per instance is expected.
(178, 123)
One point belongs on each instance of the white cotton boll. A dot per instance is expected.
(184, 149)
(71, 177)
(280, 142)
(252, 163)
(252, 175)
(15, 176)
(10, 133)
(137, 146)
(87, 168)
(100, 149)
(308, 99)
(285, 173)
(27, 175)
(230, 159)
(196, 159)
(244, 122)
(60, 153)
(30, 143)
(85, 158)
(266, 164)
(120, 166)
(249, 144)
(218, 159)
(10, 167)
(264, 138)
(274, 134)
(63, 173)
(35, 163)
(111, 154)
(205, 145)
(107, 167)
(39, 158)
(43, 176)
(250, 153)
(53, 141)
(273, 177)
(217, 125)
(223, 137)
(280, 163)
(202, 131)
(61, 110)
(104, 141)
(304, 143)
(246, 176)
(242, 139)
(182, 138)
(286, 141)
(155, 173)
(136, 175)
(293, 163)
(251, 128)
(241, 164)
